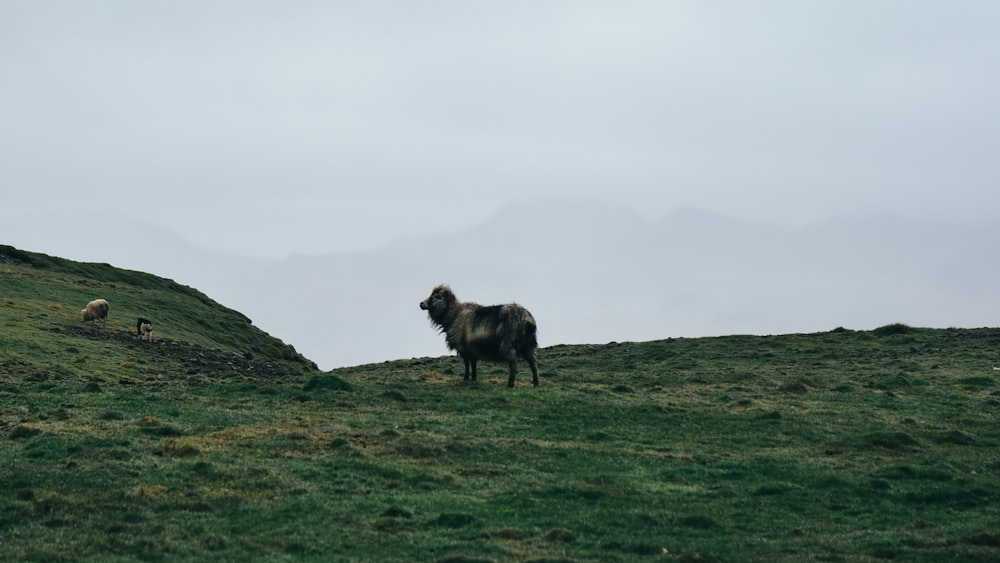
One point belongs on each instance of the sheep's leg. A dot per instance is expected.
(512, 362)
(533, 362)
(467, 364)
(474, 362)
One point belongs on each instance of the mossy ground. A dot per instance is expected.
(837, 446)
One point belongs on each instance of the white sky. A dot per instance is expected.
(271, 128)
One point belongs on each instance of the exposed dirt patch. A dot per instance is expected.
(196, 359)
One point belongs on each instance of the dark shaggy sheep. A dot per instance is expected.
(495, 333)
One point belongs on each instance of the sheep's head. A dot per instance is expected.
(439, 302)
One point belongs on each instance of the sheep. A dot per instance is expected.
(96, 310)
(144, 329)
(496, 333)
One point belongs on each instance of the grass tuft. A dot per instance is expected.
(893, 329)
(327, 383)
(24, 431)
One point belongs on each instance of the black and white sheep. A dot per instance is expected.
(144, 329)
(497, 333)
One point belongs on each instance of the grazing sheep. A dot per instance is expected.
(144, 329)
(496, 333)
(96, 310)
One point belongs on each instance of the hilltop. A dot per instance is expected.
(43, 335)
(834, 446)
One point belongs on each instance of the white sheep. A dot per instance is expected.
(95, 310)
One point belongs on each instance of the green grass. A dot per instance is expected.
(40, 302)
(837, 446)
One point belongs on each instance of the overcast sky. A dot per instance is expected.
(272, 128)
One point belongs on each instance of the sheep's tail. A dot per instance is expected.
(530, 331)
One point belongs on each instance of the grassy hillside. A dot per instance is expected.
(838, 446)
(40, 327)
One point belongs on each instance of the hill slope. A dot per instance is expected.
(42, 332)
